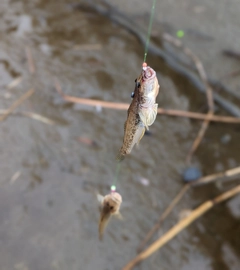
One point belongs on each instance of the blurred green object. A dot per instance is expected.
(180, 33)
(113, 188)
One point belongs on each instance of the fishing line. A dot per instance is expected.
(149, 31)
(113, 186)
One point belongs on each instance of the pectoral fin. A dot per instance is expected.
(100, 198)
(141, 135)
(137, 136)
(148, 116)
(119, 216)
(102, 225)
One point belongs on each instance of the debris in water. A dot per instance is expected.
(191, 174)
(15, 177)
(144, 181)
(226, 138)
(87, 141)
(14, 83)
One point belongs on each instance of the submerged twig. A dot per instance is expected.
(16, 104)
(229, 174)
(164, 215)
(181, 225)
(15, 177)
(199, 137)
(209, 92)
(14, 83)
(32, 115)
(124, 106)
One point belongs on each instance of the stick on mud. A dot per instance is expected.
(208, 90)
(181, 225)
(226, 175)
(124, 106)
(16, 104)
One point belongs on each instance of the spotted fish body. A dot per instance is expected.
(142, 111)
(110, 205)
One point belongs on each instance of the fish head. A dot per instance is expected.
(148, 73)
(111, 203)
(149, 82)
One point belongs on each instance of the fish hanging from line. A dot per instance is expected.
(110, 205)
(142, 111)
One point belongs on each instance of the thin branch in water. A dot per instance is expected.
(124, 106)
(16, 104)
(181, 225)
(32, 115)
(209, 91)
(164, 215)
(14, 83)
(15, 177)
(229, 174)
(198, 138)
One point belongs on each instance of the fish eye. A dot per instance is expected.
(132, 95)
(111, 207)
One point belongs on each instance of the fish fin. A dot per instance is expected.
(144, 116)
(119, 216)
(103, 222)
(153, 114)
(100, 198)
(143, 131)
(148, 116)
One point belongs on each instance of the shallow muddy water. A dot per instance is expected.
(48, 207)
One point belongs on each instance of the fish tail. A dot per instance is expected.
(120, 157)
(102, 225)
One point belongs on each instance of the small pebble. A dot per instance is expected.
(99, 108)
(226, 138)
(191, 174)
(144, 181)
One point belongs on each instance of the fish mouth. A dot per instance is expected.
(148, 73)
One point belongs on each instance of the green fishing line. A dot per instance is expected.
(113, 186)
(149, 31)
